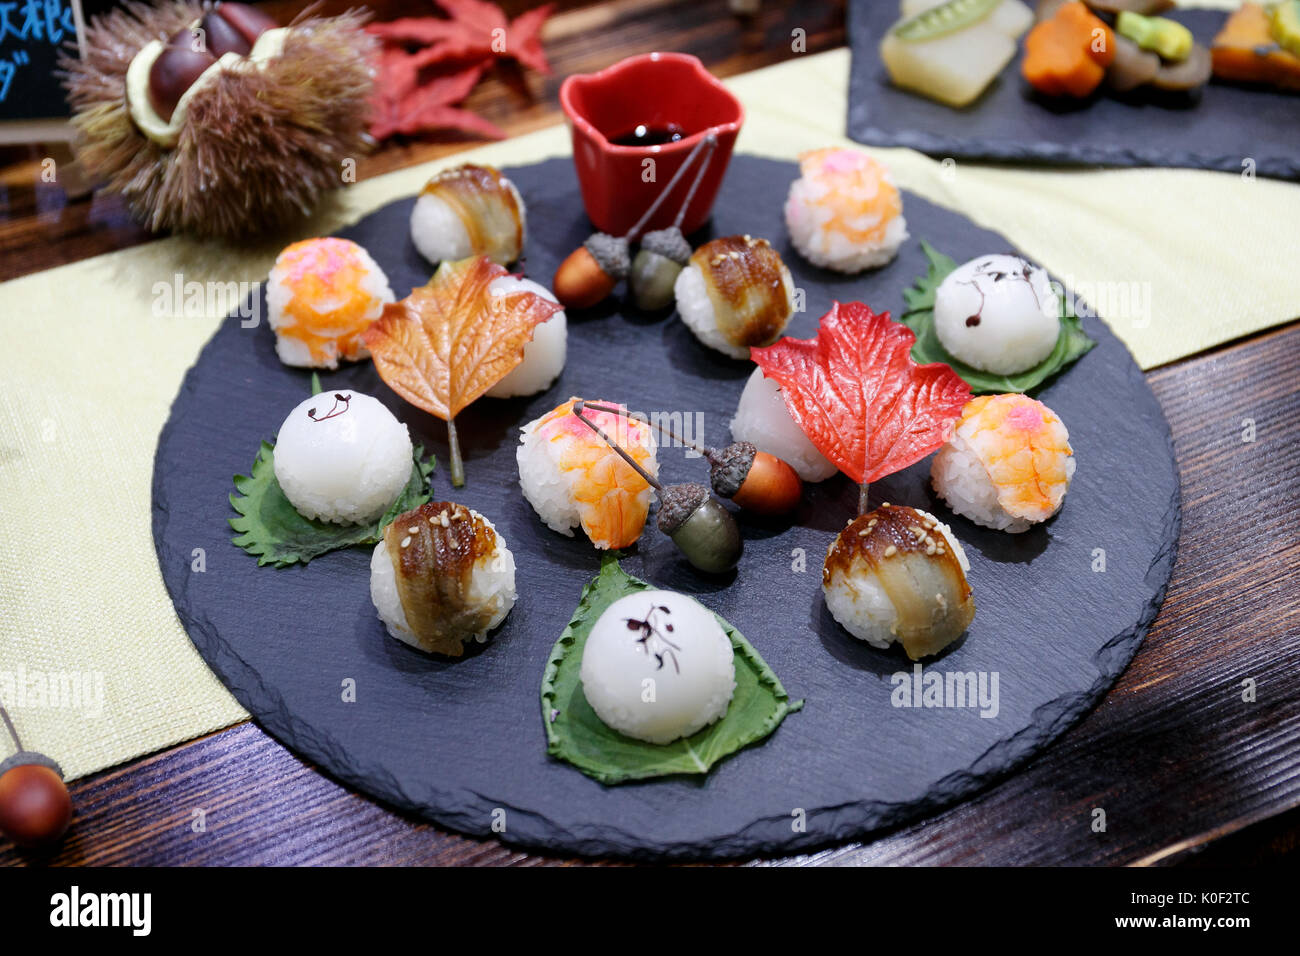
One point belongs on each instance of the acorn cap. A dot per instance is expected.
(679, 502)
(611, 254)
(729, 469)
(669, 243)
(29, 757)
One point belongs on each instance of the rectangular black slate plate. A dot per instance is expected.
(1227, 127)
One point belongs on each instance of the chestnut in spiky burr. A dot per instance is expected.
(589, 273)
(257, 147)
(703, 530)
(754, 479)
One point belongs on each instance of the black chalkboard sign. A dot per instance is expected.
(33, 35)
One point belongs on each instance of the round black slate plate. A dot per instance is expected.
(1225, 126)
(462, 742)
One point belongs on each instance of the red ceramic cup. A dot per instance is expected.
(656, 90)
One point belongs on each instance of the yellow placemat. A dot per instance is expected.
(94, 664)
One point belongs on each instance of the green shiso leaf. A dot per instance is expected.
(271, 529)
(315, 383)
(574, 733)
(1071, 345)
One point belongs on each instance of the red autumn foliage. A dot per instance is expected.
(429, 65)
(859, 397)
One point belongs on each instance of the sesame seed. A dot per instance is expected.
(406, 541)
(891, 551)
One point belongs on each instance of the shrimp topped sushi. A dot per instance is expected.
(844, 212)
(735, 293)
(1008, 463)
(441, 577)
(572, 477)
(321, 296)
(469, 210)
(899, 574)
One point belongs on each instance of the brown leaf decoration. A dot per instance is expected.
(450, 340)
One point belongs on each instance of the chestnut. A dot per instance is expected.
(174, 72)
(222, 37)
(249, 22)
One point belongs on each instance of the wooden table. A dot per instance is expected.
(1185, 769)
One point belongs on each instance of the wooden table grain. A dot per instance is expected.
(1194, 755)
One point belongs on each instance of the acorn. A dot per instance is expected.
(663, 255)
(35, 808)
(754, 480)
(591, 271)
(703, 530)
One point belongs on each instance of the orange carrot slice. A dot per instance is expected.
(1068, 53)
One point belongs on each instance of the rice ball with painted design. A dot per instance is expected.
(735, 294)
(342, 457)
(844, 212)
(998, 313)
(321, 296)
(763, 419)
(441, 578)
(657, 666)
(544, 353)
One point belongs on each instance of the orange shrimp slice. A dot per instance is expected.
(329, 308)
(855, 190)
(1024, 447)
(613, 500)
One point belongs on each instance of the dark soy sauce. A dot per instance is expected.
(643, 135)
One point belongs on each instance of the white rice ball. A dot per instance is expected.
(696, 309)
(652, 683)
(864, 608)
(998, 313)
(962, 481)
(543, 355)
(439, 233)
(341, 456)
(763, 419)
(492, 585)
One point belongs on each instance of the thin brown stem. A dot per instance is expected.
(863, 507)
(457, 464)
(578, 408)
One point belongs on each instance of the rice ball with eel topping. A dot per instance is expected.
(441, 577)
(1008, 463)
(658, 666)
(899, 574)
(998, 314)
(341, 456)
(469, 210)
(734, 294)
(844, 212)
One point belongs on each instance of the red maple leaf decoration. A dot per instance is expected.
(859, 397)
(418, 90)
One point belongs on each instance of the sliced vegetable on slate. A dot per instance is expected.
(574, 733)
(919, 317)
